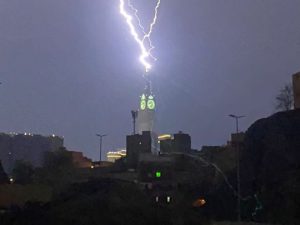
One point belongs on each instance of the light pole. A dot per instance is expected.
(101, 136)
(134, 115)
(238, 166)
(236, 121)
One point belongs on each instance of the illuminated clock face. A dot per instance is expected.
(143, 104)
(151, 102)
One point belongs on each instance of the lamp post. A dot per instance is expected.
(238, 167)
(101, 136)
(236, 121)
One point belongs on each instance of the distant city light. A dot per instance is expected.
(168, 199)
(199, 202)
(112, 156)
(164, 137)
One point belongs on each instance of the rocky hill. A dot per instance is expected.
(270, 166)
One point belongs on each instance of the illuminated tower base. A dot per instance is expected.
(146, 116)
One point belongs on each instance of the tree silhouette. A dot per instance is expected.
(285, 98)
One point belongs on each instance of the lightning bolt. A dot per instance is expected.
(145, 51)
(148, 35)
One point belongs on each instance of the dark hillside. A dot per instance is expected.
(270, 165)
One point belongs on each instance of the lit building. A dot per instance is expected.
(146, 118)
(115, 155)
(146, 112)
(164, 137)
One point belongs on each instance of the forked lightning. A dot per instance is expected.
(141, 41)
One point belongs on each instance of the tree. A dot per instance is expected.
(58, 170)
(285, 98)
(23, 172)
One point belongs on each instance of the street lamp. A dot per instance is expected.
(236, 121)
(238, 167)
(101, 136)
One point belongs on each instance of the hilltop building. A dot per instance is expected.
(27, 147)
(140, 147)
(112, 156)
(180, 142)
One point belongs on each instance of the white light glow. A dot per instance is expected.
(145, 52)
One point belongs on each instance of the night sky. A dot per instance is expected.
(70, 67)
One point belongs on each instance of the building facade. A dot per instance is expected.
(146, 112)
(179, 142)
(27, 147)
(112, 156)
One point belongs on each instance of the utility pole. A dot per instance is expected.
(134, 115)
(101, 136)
(238, 167)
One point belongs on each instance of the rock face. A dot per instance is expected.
(270, 165)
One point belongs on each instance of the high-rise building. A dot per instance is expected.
(146, 112)
(138, 145)
(296, 89)
(180, 142)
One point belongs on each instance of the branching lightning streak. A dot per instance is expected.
(148, 35)
(145, 52)
(136, 16)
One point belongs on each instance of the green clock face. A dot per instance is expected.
(143, 104)
(151, 102)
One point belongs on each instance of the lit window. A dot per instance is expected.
(158, 174)
(168, 199)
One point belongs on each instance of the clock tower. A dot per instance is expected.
(146, 112)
